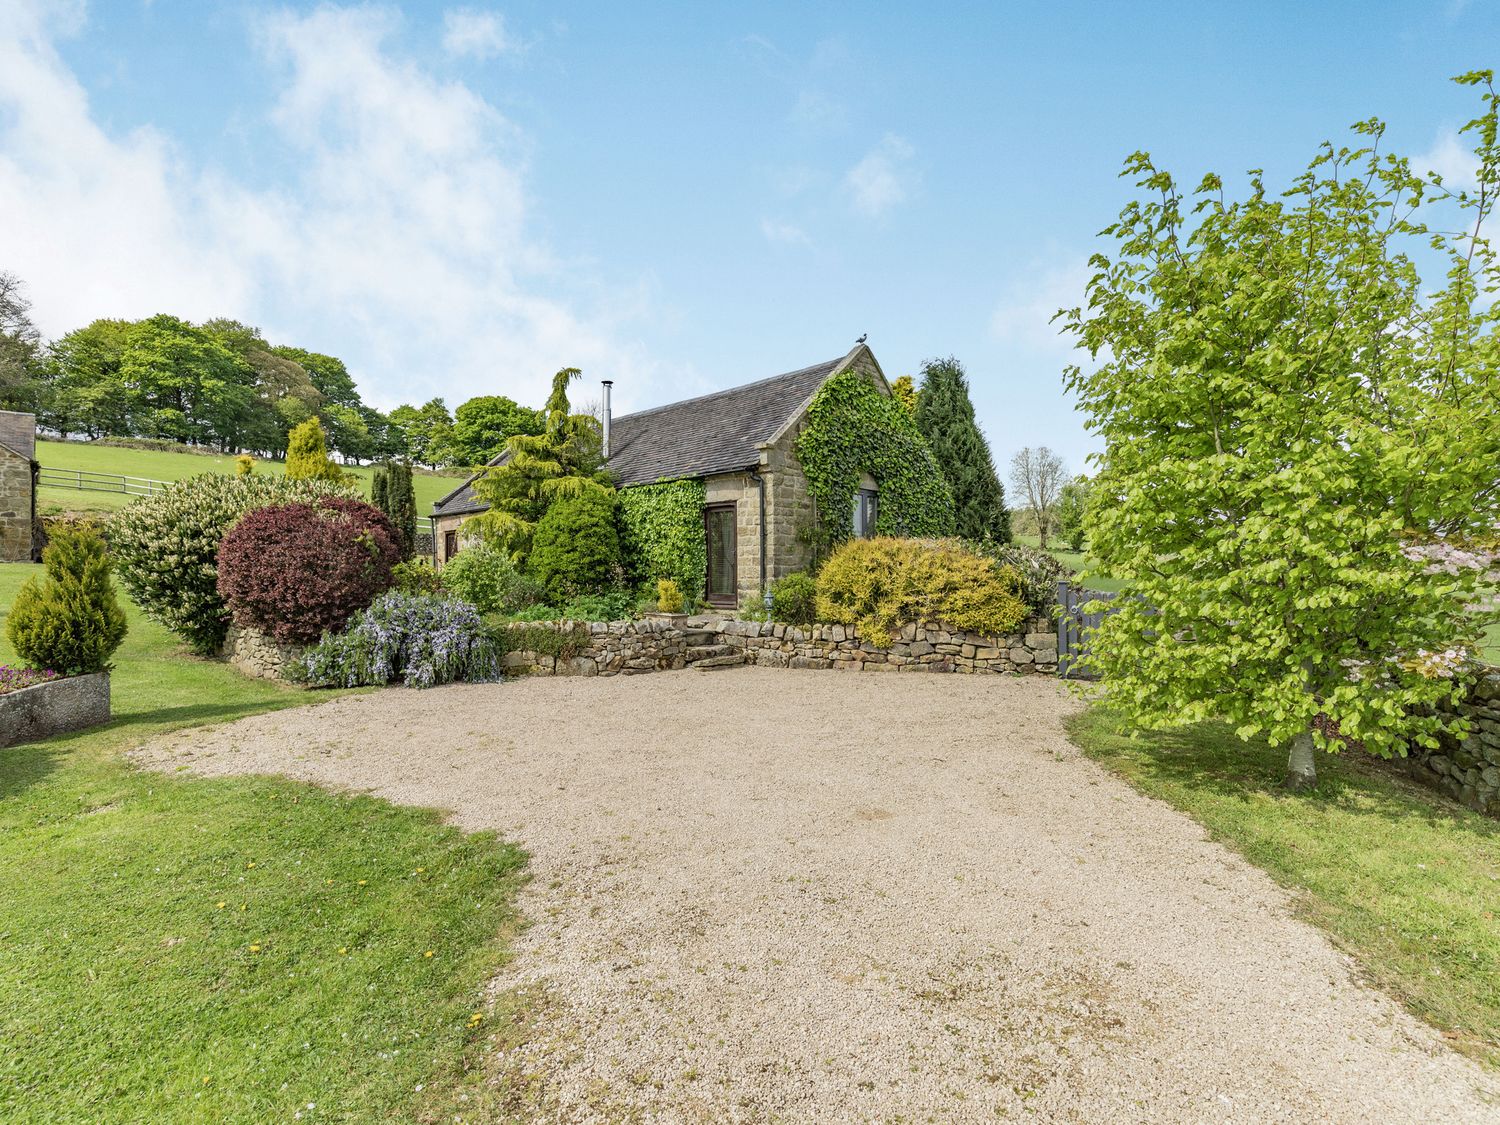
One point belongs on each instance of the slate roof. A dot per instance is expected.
(715, 433)
(18, 433)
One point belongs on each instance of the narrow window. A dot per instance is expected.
(865, 510)
(450, 544)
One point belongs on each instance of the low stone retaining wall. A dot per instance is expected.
(631, 647)
(1468, 771)
(38, 712)
(257, 654)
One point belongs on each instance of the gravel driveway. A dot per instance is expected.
(768, 895)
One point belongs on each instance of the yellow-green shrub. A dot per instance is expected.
(669, 597)
(881, 584)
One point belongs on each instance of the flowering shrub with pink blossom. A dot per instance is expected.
(14, 679)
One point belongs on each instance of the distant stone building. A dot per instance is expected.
(17, 486)
(741, 443)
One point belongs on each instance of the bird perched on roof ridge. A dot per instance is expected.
(863, 338)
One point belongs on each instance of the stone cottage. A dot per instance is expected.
(741, 443)
(17, 486)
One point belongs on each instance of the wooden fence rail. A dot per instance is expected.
(100, 482)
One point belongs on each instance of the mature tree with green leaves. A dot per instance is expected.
(1072, 511)
(565, 460)
(425, 430)
(21, 367)
(328, 374)
(188, 386)
(1300, 440)
(482, 427)
(945, 415)
(88, 393)
(284, 393)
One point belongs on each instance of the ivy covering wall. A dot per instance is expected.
(662, 526)
(853, 429)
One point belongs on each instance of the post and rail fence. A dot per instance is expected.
(90, 481)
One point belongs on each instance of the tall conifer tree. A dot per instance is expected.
(946, 418)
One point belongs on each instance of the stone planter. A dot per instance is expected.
(674, 619)
(257, 654)
(43, 710)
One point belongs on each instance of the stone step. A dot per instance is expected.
(718, 662)
(696, 637)
(707, 652)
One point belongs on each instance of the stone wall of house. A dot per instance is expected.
(1468, 771)
(15, 507)
(632, 647)
(790, 511)
(257, 654)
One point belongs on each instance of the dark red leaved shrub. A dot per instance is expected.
(296, 570)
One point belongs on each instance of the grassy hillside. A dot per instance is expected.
(156, 465)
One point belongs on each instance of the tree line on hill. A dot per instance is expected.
(221, 384)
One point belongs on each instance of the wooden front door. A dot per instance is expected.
(721, 587)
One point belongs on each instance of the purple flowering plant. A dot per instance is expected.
(14, 679)
(419, 639)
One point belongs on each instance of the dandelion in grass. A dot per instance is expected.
(220, 905)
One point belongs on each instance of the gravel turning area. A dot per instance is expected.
(766, 895)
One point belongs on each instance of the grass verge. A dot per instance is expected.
(245, 950)
(1404, 880)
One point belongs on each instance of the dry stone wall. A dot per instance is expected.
(632, 647)
(258, 654)
(1468, 771)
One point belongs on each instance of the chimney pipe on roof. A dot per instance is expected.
(608, 383)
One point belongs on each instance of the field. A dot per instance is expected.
(155, 465)
(1073, 560)
(195, 950)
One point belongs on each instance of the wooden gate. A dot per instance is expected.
(1074, 626)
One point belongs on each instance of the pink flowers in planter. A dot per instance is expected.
(14, 679)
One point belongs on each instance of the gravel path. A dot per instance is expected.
(768, 895)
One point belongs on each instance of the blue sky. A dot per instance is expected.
(459, 199)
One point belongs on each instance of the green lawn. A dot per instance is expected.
(156, 465)
(189, 950)
(1073, 560)
(1402, 879)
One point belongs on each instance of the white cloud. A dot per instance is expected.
(883, 179)
(398, 241)
(1451, 159)
(476, 34)
(1022, 320)
(777, 231)
(818, 112)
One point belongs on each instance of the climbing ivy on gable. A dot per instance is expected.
(662, 531)
(853, 429)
